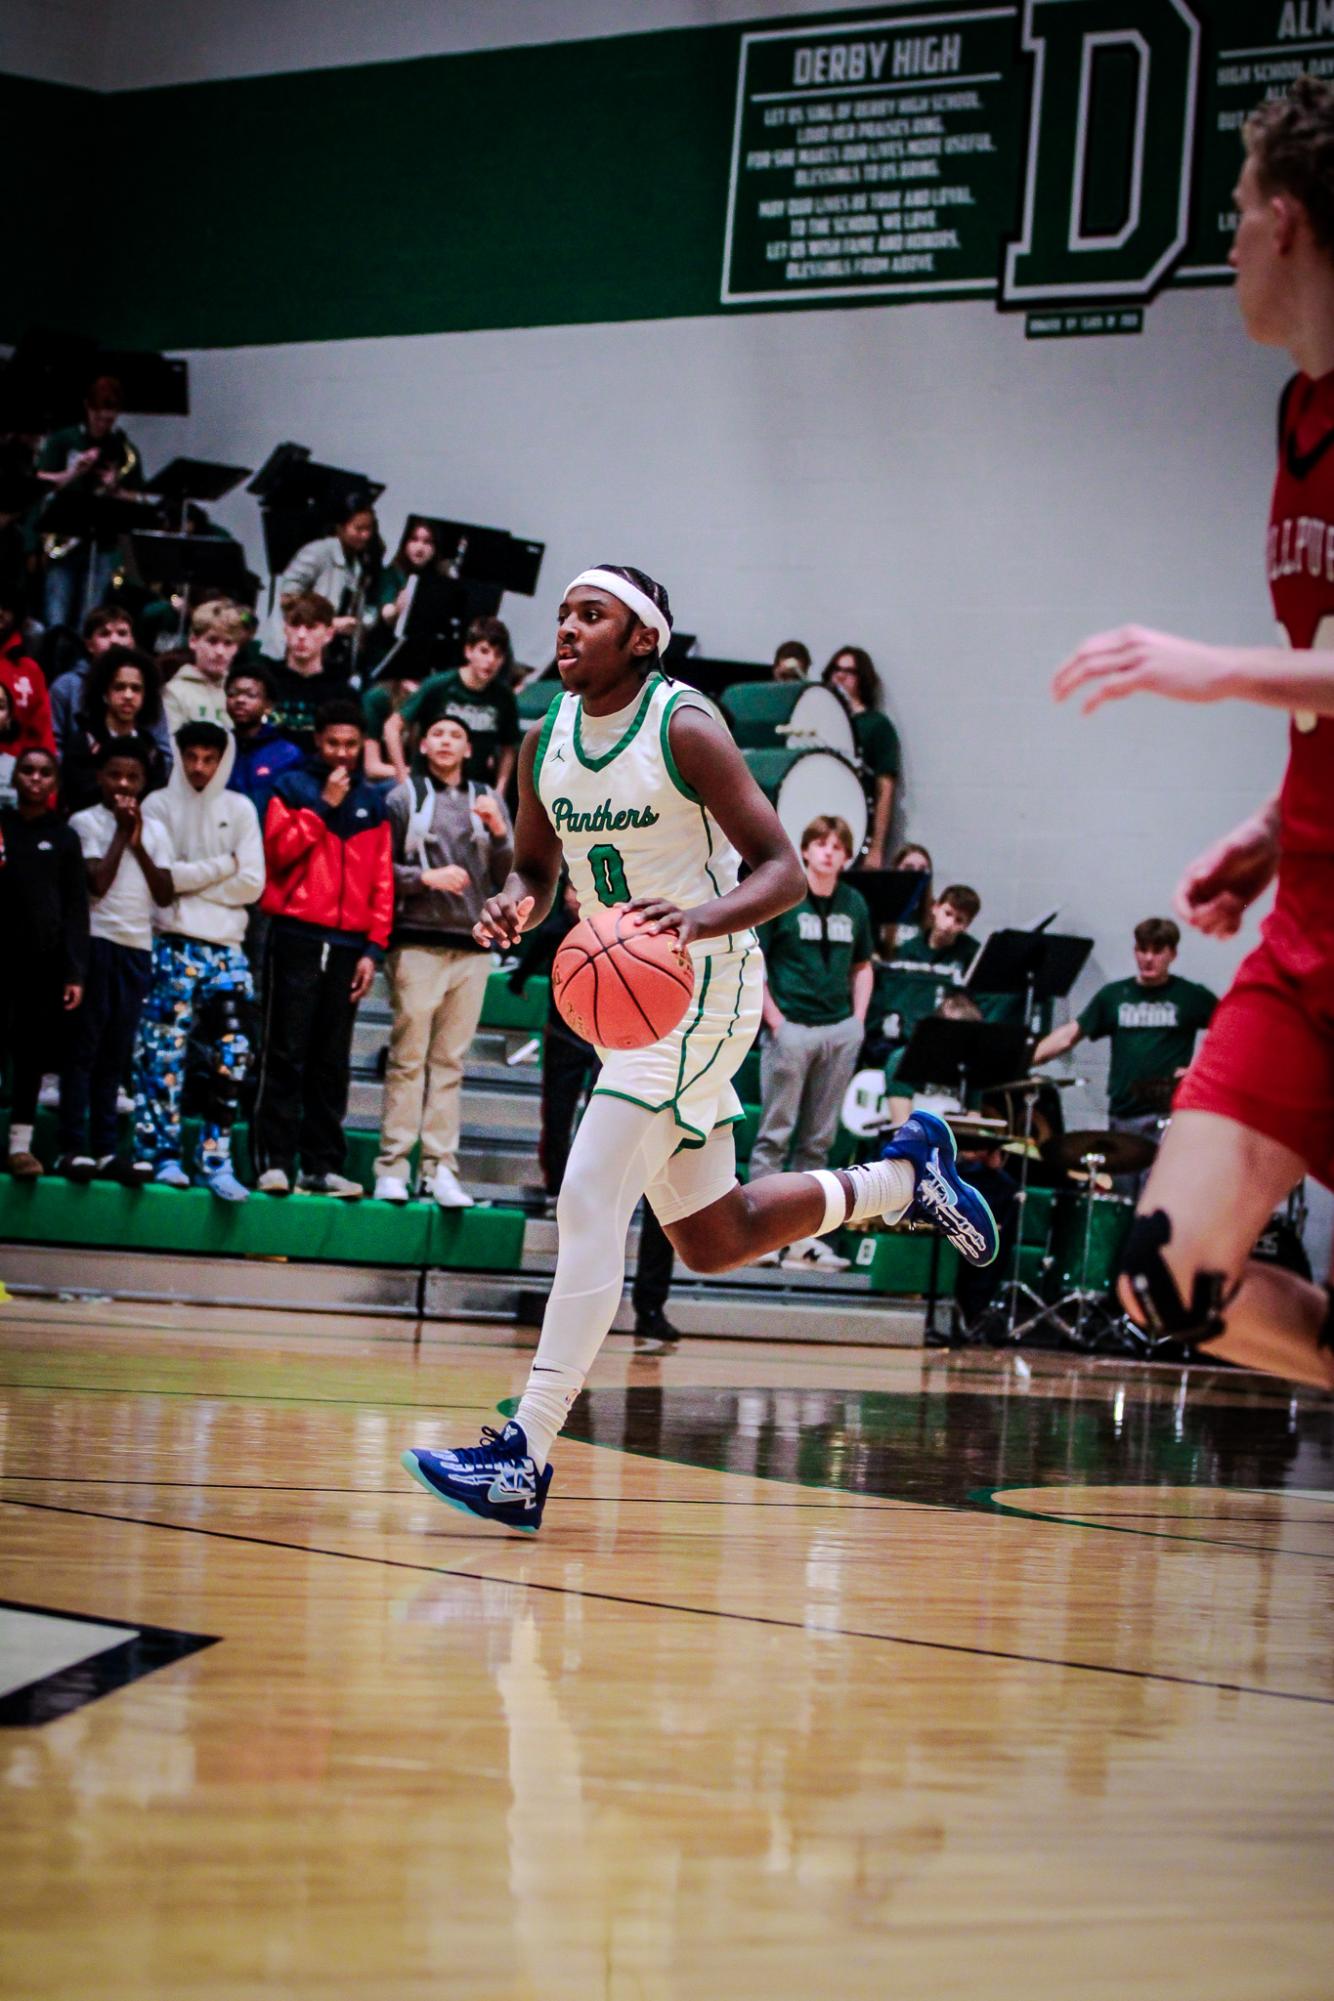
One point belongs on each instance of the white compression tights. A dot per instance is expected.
(618, 1149)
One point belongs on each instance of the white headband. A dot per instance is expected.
(634, 600)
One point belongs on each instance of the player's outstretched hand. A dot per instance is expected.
(1134, 660)
(1216, 889)
(659, 914)
(502, 920)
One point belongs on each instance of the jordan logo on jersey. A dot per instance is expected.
(603, 819)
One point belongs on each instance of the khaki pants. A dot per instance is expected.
(437, 995)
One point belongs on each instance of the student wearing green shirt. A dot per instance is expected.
(817, 972)
(852, 672)
(925, 966)
(1152, 1020)
(480, 695)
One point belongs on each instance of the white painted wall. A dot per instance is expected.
(920, 480)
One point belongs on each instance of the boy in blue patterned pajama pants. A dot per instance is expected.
(198, 989)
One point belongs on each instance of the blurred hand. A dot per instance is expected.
(336, 786)
(72, 995)
(502, 920)
(1134, 660)
(452, 879)
(361, 978)
(488, 812)
(1216, 890)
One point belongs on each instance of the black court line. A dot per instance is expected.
(692, 1611)
(988, 1501)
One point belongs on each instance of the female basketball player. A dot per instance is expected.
(625, 744)
(1256, 1110)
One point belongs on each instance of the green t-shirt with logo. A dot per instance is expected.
(377, 706)
(809, 954)
(877, 743)
(1153, 1031)
(912, 984)
(490, 713)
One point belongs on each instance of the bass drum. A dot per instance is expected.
(804, 783)
(769, 715)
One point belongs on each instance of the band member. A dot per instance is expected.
(341, 567)
(1256, 1111)
(1152, 1019)
(98, 458)
(852, 672)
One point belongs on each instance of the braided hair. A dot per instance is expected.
(655, 592)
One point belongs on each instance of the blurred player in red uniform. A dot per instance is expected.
(1255, 1113)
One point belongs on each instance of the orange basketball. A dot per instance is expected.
(617, 984)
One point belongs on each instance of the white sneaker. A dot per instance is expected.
(273, 1181)
(770, 1258)
(447, 1190)
(809, 1254)
(49, 1095)
(388, 1188)
(124, 1103)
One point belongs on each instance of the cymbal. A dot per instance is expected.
(1021, 1147)
(1118, 1153)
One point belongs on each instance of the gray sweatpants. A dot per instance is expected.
(803, 1075)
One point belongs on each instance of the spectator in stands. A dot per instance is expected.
(792, 661)
(263, 752)
(121, 701)
(922, 968)
(852, 672)
(479, 692)
(97, 459)
(125, 866)
(817, 961)
(9, 747)
(23, 679)
(43, 904)
(301, 682)
(338, 568)
(453, 848)
(102, 629)
(196, 692)
(201, 978)
(330, 893)
(65, 659)
(384, 698)
(416, 553)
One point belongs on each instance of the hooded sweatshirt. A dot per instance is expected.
(217, 855)
(261, 760)
(190, 697)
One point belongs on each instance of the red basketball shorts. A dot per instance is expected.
(1267, 1060)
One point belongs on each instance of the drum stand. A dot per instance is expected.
(1016, 1287)
(1083, 1316)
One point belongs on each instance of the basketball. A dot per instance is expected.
(619, 985)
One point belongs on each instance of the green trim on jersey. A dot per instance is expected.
(686, 791)
(601, 763)
(548, 725)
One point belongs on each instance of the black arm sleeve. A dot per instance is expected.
(73, 910)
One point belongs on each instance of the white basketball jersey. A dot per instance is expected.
(626, 819)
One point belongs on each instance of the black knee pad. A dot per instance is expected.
(1166, 1314)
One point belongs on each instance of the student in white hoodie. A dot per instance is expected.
(201, 976)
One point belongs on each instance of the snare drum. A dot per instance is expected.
(1107, 1233)
(804, 783)
(772, 715)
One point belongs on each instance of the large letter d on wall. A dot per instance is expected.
(1110, 146)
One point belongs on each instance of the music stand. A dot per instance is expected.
(1040, 965)
(183, 480)
(430, 632)
(179, 561)
(75, 513)
(977, 1053)
(891, 894)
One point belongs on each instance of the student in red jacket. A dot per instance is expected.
(24, 680)
(330, 894)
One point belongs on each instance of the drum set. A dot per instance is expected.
(798, 740)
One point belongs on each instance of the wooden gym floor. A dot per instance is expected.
(834, 1671)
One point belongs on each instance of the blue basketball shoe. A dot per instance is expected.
(497, 1480)
(942, 1196)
